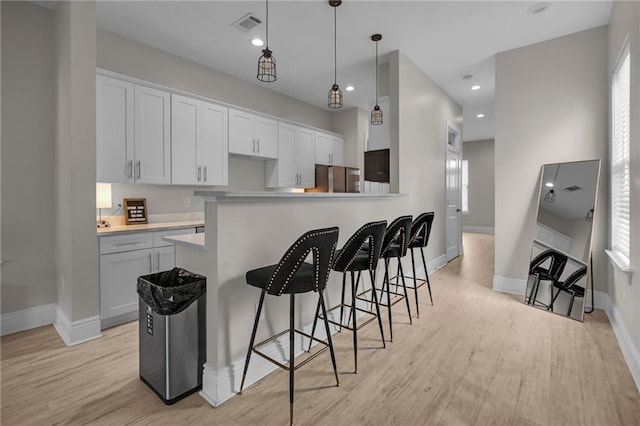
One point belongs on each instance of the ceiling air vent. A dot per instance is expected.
(247, 22)
(572, 188)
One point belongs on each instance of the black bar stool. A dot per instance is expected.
(351, 259)
(394, 246)
(557, 262)
(570, 286)
(420, 231)
(290, 276)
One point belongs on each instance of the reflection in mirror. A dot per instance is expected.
(559, 268)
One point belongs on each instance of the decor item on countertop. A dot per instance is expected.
(135, 211)
(335, 94)
(103, 201)
(267, 62)
(376, 114)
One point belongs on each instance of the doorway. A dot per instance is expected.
(453, 227)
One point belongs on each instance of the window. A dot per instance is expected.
(620, 170)
(465, 186)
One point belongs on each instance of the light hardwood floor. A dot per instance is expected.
(474, 358)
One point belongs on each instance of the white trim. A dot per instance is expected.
(509, 285)
(26, 319)
(628, 349)
(617, 261)
(73, 333)
(479, 229)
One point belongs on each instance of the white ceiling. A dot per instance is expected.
(446, 39)
(570, 204)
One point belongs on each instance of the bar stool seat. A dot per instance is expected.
(301, 282)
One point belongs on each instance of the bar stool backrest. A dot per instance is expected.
(370, 234)
(558, 262)
(322, 244)
(398, 233)
(421, 229)
(574, 277)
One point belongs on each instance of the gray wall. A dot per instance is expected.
(480, 155)
(419, 113)
(28, 128)
(625, 291)
(551, 106)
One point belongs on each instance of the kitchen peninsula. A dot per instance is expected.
(246, 230)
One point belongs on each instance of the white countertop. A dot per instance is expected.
(189, 240)
(231, 196)
(116, 229)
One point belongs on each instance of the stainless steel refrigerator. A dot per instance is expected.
(336, 179)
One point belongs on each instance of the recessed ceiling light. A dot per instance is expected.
(349, 88)
(538, 8)
(475, 87)
(479, 115)
(257, 42)
(549, 184)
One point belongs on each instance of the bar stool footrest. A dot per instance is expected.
(301, 363)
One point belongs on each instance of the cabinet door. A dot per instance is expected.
(284, 171)
(242, 139)
(306, 158)
(114, 130)
(119, 274)
(185, 121)
(337, 151)
(152, 149)
(213, 151)
(266, 137)
(164, 258)
(323, 148)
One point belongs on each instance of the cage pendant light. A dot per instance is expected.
(376, 114)
(335, 94)
(267, 63)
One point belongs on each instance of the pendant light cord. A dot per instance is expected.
(335, 47)
(376, 73)
(267, 24)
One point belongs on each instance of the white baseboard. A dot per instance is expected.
(26, 319)
(509, 285)
(479, 229)
(76, 332)
(629, 350)
(433, 265)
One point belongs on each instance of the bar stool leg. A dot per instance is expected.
(355, 322)
(326, 326)
(386, 281)
(375, 300)
(415, 283)
(253, 338)
(313, 328)
(292, 305)
(426, 274)
(404, 287)
(342, 302)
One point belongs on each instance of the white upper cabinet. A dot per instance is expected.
(198, 142)
(252, 135)
(114, 125)
(329, 149)
(152, 147)
(295, 167)
(132, 133)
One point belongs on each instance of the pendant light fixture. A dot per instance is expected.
(335, 94)
(376, 114)
(550, 196)
(267, 63)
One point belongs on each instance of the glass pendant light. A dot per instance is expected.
(376, 114)
(267, 63)
(335, 94)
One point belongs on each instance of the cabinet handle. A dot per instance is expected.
(138, 167)
(150, 265)
(199, 173)
(130, 170)
(158, 264)
(205, 173)
(258, 146)
(254, 145)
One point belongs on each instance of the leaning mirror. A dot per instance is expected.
(559, 267)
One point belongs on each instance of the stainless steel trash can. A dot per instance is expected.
(172, 332)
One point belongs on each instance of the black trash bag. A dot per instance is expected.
(171, 292)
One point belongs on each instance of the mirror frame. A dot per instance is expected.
(589, 246)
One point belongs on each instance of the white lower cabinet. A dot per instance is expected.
(123, 258)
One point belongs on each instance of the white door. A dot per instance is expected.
(453, 231)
